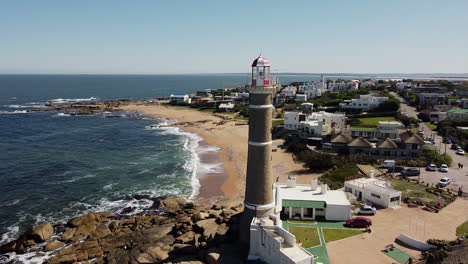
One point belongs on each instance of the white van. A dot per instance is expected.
(388, 164)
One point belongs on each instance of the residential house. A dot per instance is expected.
(408, 144)
(310, 123)
(349, 85)
(374, 191)
(289, 91)
(463, 92)
(226, 107)
(368, 83)
(432, 99)
(312, 89)
(457, 114)
(429, 89)
(404, 85)
(181, 98)
(364, 102)
(384, 129)
(437, 116)
(301, 98)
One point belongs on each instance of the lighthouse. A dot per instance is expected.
(259, 183)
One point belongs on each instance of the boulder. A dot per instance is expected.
(200, 216)
(68, 234)
(209, 228)
(101, 231)
(53, 245)
(186, 238)
(212, 256)
(173, 203)
(41, 232)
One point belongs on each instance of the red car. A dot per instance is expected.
(359, 222)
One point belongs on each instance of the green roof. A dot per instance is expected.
(458, 111)
(303, 204)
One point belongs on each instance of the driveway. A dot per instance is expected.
(389, 223)
(458, 177)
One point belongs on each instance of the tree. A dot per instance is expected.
(391, 105)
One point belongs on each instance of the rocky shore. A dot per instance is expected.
(83, 108)
(176, 232)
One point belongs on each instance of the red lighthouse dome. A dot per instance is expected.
(260, 62)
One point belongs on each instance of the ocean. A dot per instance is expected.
(54, 166)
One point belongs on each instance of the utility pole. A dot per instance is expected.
(446, 135)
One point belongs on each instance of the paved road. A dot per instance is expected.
(459, 177)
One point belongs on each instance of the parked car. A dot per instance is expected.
(410, 172)
(447, 141)
(443, 168)
(455, 146)
(443, 182)
(460, 152)
(359, 222)
(395, 169)
(366, 209)
(431, 167)
(421, 132)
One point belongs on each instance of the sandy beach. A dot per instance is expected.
(231, 137)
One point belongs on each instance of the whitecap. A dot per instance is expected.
(61, 114)
(13, 112)
(72, 100)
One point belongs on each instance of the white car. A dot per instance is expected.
(366, 210)
(443, 168)
(431, 167)
(443, 182)
(460, 151)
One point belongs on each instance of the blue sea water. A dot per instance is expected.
(54, 166)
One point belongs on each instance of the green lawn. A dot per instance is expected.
(373, 121)
(307, 235)
(430, 126)
(337, 234)
(410, 189)
(307, 222)
(463, 229)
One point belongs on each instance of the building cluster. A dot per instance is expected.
(440, 103)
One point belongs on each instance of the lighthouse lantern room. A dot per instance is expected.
(260, 72)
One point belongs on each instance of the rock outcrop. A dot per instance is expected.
(179, 232)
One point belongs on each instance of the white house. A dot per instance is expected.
(374, 191)
(364, 102)
(312, 89)
(181, 98)
(307, 201)
(350, 85)
(289, 90)
(314, 123)
(227, 107)
(384, 129)
(437, 116)
(368, 83)
(301, 98)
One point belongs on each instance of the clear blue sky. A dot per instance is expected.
(224, 36)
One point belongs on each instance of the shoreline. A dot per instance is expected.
(230, 136)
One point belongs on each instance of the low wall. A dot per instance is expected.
(407, 240)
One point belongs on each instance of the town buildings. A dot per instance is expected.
(312, 89)
(432, 99)
(348, 85)
(384, 129)
(368, 83)
(407, 145)
(457, 114)
(364, 102)
(310, 123)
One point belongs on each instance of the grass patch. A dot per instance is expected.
(307, 222)
(307, 235)
(337, 234)
(430, 126)
(463, 229)
(336, 177)
(411, 189)
(373, 121)
(275, 123)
